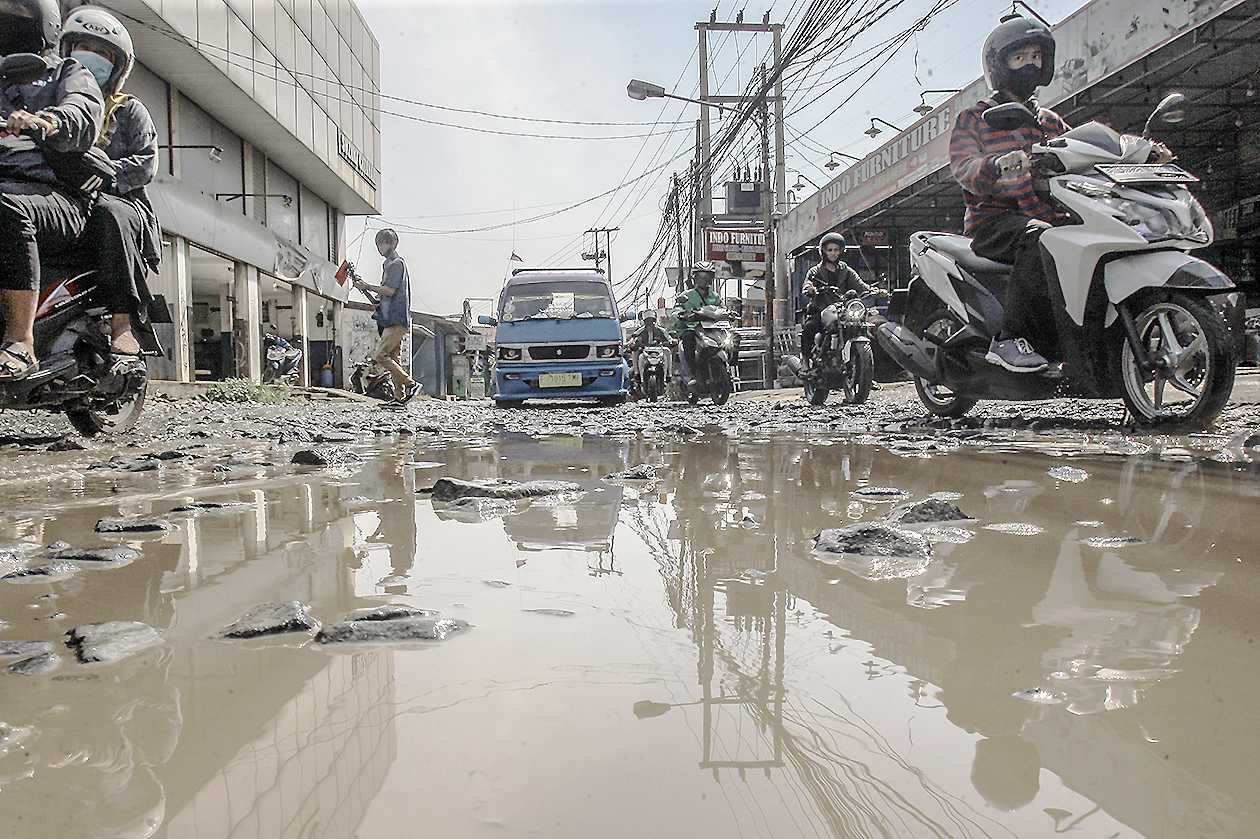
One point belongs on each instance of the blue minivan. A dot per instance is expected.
(557, 337)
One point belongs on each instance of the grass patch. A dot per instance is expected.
(242, 390)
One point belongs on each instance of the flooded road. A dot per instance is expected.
(644, 658)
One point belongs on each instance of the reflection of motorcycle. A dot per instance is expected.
(284, 361)
(842, 356)
(371, 380)
(1135, 316)
(716, 350)
(77, 374)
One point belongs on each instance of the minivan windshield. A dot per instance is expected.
(556, 301)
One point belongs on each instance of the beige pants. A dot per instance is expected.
(387, 354)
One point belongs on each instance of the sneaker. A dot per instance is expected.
(408, 393)
(1016, 355)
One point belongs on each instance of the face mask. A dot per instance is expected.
(1024, 81)
(100, 67)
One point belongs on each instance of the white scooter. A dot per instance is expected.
(1137, 316)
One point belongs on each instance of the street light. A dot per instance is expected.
(640, 90)
(923, 108)
(801, 180)
(832, 163)
(875, 130)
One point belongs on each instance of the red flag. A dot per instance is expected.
(343, 273)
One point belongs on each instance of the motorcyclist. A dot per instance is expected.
(701, 294)
(49, 105)
(1004, 215)
(647, 335)
(831, 273)
(123, 229)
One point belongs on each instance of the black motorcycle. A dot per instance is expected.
(716, 350)
(843, 358)
(284, 361)
(78, 375)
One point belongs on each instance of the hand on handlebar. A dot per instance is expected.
(1160, 153)
(24, 122)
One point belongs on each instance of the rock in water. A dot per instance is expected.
(931, 510)
(390, 612)
(1070, 474)
(451, 489)
(112, 557)
(46, 573)
(36, 665)
(402, 629)
(198, 506)
(272, 619)
(111, 641)
(878, 494)
(132, 526)
(873, 539)
(24, 649)
(324, 456)
(642, 472)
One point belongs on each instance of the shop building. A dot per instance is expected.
(268, 120)
(1115, 60)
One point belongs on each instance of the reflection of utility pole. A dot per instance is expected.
(682, 273)
(770, 368)
(607, 252)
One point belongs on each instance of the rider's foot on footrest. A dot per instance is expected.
(1016, 355)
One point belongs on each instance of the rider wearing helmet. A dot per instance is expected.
(831, 272)
(647, 335)
(47, 103)
(1005, 217)
(700, 295)
(123, 228)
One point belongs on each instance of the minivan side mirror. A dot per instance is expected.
(629, 315)
(1170, 111)
(1009, 116)
(486, 320)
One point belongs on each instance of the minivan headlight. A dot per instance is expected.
(509, 353)
(608, 351)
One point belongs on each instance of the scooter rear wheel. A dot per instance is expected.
(90, 422)
(938, 398)
(815, 395)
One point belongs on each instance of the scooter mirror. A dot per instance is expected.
(1009, 115)
(486, 320)
(21, 65)
(1170, 111)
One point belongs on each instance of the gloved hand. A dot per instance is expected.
(1160, 153)
(1013, 162)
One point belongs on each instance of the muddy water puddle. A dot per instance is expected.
(1074, 653)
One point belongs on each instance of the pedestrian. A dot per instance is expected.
(393, 314)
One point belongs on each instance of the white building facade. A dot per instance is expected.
(267, 113)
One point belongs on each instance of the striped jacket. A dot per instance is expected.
(973, 148)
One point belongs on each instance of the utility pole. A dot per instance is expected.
(767, 220)
(682, 273)
(598, 255)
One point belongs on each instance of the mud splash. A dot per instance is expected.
(1066, 650)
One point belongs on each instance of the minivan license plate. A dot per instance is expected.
(560, 380)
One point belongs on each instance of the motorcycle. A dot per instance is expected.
(716, 350)
(842, 353)
(78, 375)
(371, 380)
(652, 371)
(284, 361)
(1136, 314)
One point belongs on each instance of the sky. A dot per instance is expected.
(571, 61)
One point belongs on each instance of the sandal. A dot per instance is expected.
(16, 365)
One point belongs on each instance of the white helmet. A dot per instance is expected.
(94, 25)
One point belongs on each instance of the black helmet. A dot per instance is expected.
(29, 26)
(1011, 33)
(97, 26)
(831, 239)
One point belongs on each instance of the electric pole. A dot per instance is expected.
(767, 221)
(598, 255)
(680, 281)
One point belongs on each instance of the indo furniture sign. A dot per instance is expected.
(735, 244)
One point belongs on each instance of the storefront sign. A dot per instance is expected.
(475, 342)
(874, 238)
(358, 161)
(1098, 40)
(735, 244)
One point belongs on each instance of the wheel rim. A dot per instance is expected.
(938, 394)
(1177, 345)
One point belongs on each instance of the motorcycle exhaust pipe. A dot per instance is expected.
(793, 364)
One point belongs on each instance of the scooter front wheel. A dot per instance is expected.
(90, 421)
(938, 398)
(815, 395)
(1190, 347)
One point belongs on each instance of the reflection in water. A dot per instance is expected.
(675, 638)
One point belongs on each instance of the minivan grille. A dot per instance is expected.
(562, 352)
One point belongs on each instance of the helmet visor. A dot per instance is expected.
(20, 31)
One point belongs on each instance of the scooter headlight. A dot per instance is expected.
(855, 310)
(509, 353)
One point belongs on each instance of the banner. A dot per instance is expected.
(735, 244)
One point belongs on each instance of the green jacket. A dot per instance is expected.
(690, 302)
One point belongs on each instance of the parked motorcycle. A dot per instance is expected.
(842, 354)
(78, 375)
(715, 352)
(371, 380)
(284, 361)
(1136, 315)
